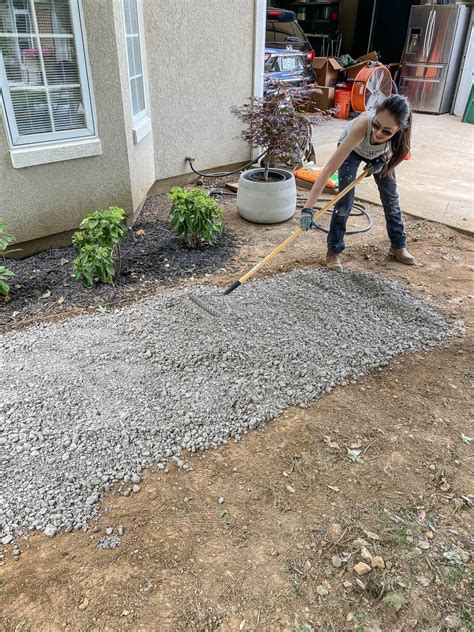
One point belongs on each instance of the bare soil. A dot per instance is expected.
(245, 540)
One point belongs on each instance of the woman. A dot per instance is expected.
(380, 138)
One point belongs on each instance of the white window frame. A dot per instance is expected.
(141, 122)
(18, 140)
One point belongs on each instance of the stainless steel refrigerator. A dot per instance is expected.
(432, 55)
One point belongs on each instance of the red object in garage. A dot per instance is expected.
(342, 100)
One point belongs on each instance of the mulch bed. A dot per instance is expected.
(152, 255)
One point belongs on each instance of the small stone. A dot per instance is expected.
(424, 581)
(334, 532)
(424, 545)
(136, 478)
(360, 584)
(120, 530)
(429, 535)
(365, 554)
(83, 605)
(350, 617)
(125, 613)
(50, 530)
(432, 467)
(336, 561)
(359, 543)
(7, 539)
(347, 584)
(221, 500)
(445, 487)
(361, 568)
(109, 531)
(377, 562)
(136, 489)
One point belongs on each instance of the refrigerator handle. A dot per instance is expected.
(428, 26)
(430, 40)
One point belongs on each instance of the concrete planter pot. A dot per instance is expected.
(266, 202)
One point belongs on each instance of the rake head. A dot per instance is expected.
(213, 310)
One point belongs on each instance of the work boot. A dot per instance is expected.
(333, 262)
(403, 256)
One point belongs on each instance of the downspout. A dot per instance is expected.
(260, 18)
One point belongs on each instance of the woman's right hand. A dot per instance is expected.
(306, 218)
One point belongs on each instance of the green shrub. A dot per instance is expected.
(196, 216)
(97, 246)
(5, 273)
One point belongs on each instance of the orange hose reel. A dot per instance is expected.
(371, 86)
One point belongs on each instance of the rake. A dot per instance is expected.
(299, 231)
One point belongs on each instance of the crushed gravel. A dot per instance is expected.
(94, 400)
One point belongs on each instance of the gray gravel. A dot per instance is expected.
(96, 399)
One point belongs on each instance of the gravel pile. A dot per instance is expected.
(96, 399)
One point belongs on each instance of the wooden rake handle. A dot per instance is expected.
(299, 231)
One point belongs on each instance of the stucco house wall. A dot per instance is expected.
(199, 57)
(200, 63)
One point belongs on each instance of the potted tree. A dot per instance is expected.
(280, 124)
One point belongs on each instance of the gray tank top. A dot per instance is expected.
(365, 149)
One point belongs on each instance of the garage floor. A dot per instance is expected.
(437, 183)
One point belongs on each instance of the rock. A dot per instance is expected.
(361, 568)
(83, 605)
(109, 531)
(136, 478)
(360, 584)
(221, 500)
(7, 539)
(359, 543)
(424, 581)
(347, 584)
(429, 535)
(50, 530)
(377, 562)
(365, 554)
(334, 532)
(120, 530)
(336, 561)
(424, 545)
(136, 489)
(445, 487)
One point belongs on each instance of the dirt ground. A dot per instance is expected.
(264, 534)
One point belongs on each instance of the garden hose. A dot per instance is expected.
(360, 208)
(362, 211)
(222, 174)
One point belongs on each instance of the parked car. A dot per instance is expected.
(288, 53)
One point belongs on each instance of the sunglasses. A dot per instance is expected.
(383, 130)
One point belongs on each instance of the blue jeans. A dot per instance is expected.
(387, 186)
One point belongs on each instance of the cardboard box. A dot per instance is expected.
(327, 70)
(323, 100)
(363, 61)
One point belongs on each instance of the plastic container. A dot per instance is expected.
(342, 100)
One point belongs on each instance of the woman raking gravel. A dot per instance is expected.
(381, 138)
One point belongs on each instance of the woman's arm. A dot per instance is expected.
(350, 142)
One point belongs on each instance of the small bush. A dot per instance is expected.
(97, 245)
(5, 273)
(195, 216)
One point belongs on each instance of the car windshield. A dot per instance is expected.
(282, 32)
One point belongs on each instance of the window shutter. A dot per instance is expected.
(44, 77)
